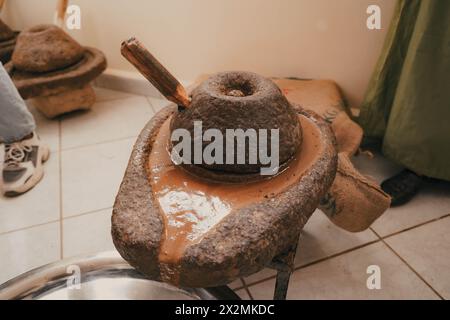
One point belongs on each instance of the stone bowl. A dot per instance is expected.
(234, 245)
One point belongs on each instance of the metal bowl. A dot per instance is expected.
(101, 276)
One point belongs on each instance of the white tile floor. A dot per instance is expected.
(68, 214)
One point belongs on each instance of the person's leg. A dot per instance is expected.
(21, 151)
(402, 187)
(16, 122)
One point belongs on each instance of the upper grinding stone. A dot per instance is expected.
(241, 100)
(45, 48)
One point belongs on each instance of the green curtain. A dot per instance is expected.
(407, 105)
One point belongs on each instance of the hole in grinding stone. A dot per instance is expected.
(235, 93)
(238, 89)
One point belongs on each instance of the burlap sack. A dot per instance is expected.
(354, 201)
(325, 98)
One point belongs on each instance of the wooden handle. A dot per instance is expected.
(61, 8)
(2, 2)
(155, 72)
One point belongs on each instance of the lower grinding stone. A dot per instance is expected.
(234, 243)
(77, 99)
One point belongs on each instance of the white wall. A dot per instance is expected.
(303, 38)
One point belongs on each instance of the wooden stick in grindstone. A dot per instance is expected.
(2, 2)
(61, 9)
(155, 72)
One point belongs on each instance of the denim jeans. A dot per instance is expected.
(16, 122)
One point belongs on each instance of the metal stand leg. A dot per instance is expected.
(220, 293)
(284, 264)
(282, 284)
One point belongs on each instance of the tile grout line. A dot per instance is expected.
(318, 261)
(335, 255)
(116, 99)
(86, 213)
(246, 288)
(249, 293)
(97, 143)
(58, 220)
(241, 286)
(61, 235)
(411, 228)
(128, 96)
(380, 239)
(147, 99)
(408, 265)
(29, 227)
(150, 104)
